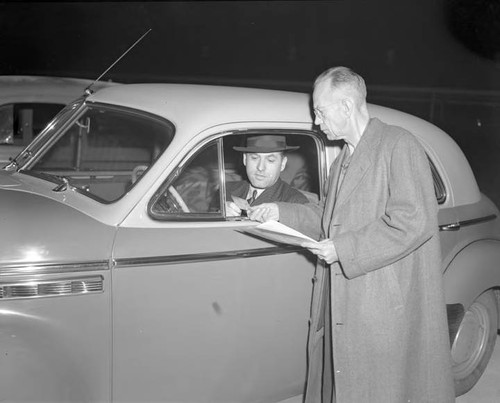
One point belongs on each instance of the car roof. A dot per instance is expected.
(193, 108)
(181, 102)
(44, 89)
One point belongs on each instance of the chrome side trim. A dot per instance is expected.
(479, 220)
(15, 269)
(205, 257)
(51, 288)
(456, 226)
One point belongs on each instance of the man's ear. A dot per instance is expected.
(283, 163)
(245, 159)
(347, 106)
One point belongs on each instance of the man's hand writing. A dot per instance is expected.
(232, 210)
(264, 212)
(325, 250)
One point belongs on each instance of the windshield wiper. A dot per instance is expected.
(63, 186)
(63, 181)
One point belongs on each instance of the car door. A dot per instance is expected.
(202, 311)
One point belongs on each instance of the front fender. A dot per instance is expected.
(54, 348)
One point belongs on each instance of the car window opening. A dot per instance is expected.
(195, 192)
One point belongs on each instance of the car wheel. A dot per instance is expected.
(474, 342)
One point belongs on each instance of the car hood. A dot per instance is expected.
(7, 180)
(37, 230)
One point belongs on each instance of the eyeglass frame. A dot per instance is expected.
(319, 113)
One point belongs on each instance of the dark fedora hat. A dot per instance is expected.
(265, 144)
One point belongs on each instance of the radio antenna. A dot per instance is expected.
(88, 91)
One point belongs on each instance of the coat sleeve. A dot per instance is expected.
(305, 218)
(409, 219)
(296, 196)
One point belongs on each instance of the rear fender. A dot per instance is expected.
(475, 269)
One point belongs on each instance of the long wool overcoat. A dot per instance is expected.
(386, 328)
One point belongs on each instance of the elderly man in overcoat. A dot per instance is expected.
(378, 329)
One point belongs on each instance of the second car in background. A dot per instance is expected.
(28, 103)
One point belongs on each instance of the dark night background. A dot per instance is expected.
(438, 59)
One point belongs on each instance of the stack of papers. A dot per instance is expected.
(278, 232)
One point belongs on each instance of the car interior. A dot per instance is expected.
(195, 191)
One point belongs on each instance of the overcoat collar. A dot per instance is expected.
(361, 161)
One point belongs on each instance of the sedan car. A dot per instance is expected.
(28, 103)
(123, 279)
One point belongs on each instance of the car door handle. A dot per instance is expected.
(450, 227)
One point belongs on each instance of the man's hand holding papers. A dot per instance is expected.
(278, 232)
(325, 250)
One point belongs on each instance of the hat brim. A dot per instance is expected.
(265, 150)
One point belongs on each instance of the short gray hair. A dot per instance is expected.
(343, 78)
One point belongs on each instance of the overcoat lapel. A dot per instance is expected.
(270, 194)
(361, 161)
(331, 198)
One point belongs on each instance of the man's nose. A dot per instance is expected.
(261, 165)
(317, 120)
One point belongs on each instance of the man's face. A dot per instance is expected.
(329, 111)
(263, 169)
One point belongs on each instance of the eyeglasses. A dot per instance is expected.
(320, 111)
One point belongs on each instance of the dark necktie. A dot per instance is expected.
(252, 198)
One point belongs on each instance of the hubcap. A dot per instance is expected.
(470, 341)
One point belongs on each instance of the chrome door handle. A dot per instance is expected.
(450, 227)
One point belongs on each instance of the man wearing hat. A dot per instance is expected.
(264, 158)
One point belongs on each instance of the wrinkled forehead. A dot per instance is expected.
(324, 93)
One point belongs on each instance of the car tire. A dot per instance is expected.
(474, 341)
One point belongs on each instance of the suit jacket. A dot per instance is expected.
(389, 329)
(280, 191)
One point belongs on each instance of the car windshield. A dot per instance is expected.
(102, 153)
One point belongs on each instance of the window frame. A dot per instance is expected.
(439, 186)
(77, 109)
(175, 174)
(219, 137)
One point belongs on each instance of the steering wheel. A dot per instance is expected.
(177, 199)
